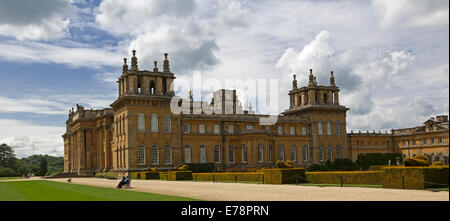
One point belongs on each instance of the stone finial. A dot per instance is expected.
(134, 63)
(332, 82)
(311, 78)
(166, 68)
(125, 66)
(155, 69)
(294, 82)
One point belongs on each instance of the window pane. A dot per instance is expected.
(202, 154)
(217, 154)
(260, 153)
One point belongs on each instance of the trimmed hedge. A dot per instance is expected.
(179, 175)
(282, 176)
(164, 176)
(148, 175)
(109, 175)
(201, 167)
(416, 162)
(349, 177)
(415, 177)
(229, 177)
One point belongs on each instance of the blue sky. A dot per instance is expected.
(390, 58)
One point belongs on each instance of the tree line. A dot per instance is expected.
(40, 165)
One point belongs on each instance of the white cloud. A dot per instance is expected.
(412, 12)
(35, 20)
(33, 52)
(27, 138)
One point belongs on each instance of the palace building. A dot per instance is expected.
(140, 131)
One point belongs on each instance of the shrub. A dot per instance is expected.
(283, 175)
(280, 164)
(289, 164)
(437, 163)
(365, 160)
(183, 167)
(415, 177)
(180, 175)
(109, 175)
(201, 167)
(336, 165)
(415, 162)
(349, 177)
(229, 177)
(7, 172)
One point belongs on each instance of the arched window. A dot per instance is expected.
(167, 124)
(187, 154)
(155, 155)
(244, 153)
(141, 155)
(168, 155)
(338, 131)
(154, 123)
(141, 122)
(139, 86)
(202, 154)
(164, 85)
(305, 152)
(325, 98)
(299, 100)
(293, 153)
(152, 87)
(216, 154)
(281, 153)
(231, 154)
(260, 153)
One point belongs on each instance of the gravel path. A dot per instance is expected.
(266, 192)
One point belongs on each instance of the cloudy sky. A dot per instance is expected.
(390, 58)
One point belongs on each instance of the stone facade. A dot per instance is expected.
(140, 131)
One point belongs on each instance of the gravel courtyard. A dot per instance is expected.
(265, 192)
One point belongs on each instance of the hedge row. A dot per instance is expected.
(179, 175)
(109, 175)
(349, 177)
(229, 177)
(415, 177)
(282, 176)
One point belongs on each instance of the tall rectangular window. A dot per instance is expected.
(187, 154)
(155, 155)
(305, 152)
(329, 128)
(260, 153)
(230, 129)
(293, 153)
(292, 130)
(244, 153)
(231, 154)
(216, 129)
(249, 127)
(281, 153)
(303, 131)
(141, 122)
(187, 128)
(168, 154)
(202, 154)
(432, 141)
(280, 130)
(154, 123)
(424, 141)
(320, 127)
(322, 154)
(167, 124)
(330, 153)
(201, 128)
(141, 155)
(338, 131)
(216, 154)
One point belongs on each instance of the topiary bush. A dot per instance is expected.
(183, 167)
(289, 164)
(415, 162)
(280, 164)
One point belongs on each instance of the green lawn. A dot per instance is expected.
(42, 190)
(10, 178)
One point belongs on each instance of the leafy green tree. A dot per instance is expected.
(7, 156)
(43, 167)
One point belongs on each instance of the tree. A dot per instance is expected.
(43, 167)
(7, 156)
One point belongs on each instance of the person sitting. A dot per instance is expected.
(121, 183)
(69, 180)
